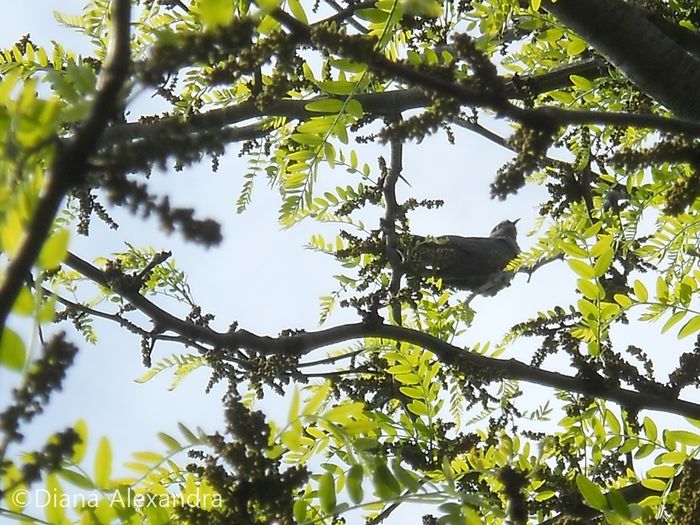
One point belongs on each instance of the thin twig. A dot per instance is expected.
(330, 360)
(340, 9)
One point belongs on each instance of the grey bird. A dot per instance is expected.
(470, 263)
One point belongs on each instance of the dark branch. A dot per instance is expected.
(70, 163)
(467, 362)
(474, 96)
(391, 238)
(380, 104)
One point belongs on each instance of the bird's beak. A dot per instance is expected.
(515, 221)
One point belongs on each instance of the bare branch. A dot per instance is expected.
(475, 96)
(70, 163)
(381, 104)
(467, 362)
(392, 211)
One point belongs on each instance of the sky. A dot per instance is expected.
(262, 276)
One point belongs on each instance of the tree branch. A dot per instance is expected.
(70, 163)
(380, 104)
(350, 10)
(388, 223)
(626, 35)
(349, 47)
(467, 362)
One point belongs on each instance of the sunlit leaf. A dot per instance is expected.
(103, 463)
(215, 13)
(326, 492)
(591, 493)
(12, 350)
(54, 250)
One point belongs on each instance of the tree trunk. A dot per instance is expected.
(646, 52)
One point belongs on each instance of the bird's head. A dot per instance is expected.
(505, 230)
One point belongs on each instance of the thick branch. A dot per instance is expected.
(70, 163)
(391, 238)
(381, 104)
(626, 35)
(475, 96)
(467, 362)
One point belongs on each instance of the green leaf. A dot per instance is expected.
(337, 87)
(103, 463)
(298, 10)
(590, 289)
(55, 512)
(661, 471)
(307, 139)
(54, 250)
(588, 310)
(342, 413)
(592, 230)
(576, 47)
(76, 478)
(572, 249)
(603, 262)
(471, 516)
(418, 407)
(673, 320)
(535, 4)
(24, 304)
(612, 421)
(623, 300)
(170, 442)
(191, 438)
(317, 399)
(407, 478)
(692, 326)
(11, 231)
(326, 105)
(215, 13)
(618, 504)
(581, 82)
(684, 437)
(12, 351)
(629, 445)
(661, 289)
(385, 484)
(294, 406)
(354, 483)
(376, 16)
(354, 108)
(300, 508)
(79, 448)
(640, 291)
(326, 492)
(582, 268)
(644, 451)
(654, 484)
(329, 153)
(427, 8)
(591, 493)
(650, 429)
(316, 125)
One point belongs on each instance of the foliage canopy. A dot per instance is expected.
(601, 100)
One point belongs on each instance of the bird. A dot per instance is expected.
(475, 264)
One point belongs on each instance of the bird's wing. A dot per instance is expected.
(469, 262)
